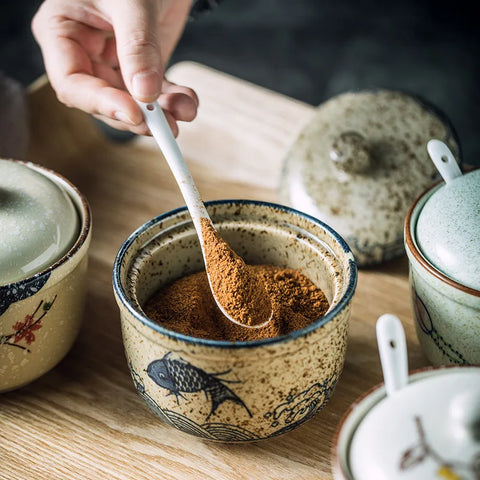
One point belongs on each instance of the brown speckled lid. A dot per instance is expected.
(360, 163)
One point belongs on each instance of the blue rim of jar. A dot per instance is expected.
(85, 224)
(138, 315)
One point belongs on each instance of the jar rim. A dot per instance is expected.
(142, 318)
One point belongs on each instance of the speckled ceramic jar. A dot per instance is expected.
(360, 162)
(446, 312)
(235, 391)
(40, 316)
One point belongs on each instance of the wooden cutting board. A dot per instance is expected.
(84, 419)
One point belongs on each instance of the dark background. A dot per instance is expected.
(314, 49)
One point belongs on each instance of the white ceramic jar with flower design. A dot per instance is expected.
(430, 429)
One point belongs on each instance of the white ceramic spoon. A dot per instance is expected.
(160, 129)
(392, 347)
(444, 160)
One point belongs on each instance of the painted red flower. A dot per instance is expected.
(25, 329)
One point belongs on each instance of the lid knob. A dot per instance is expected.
(349, 152)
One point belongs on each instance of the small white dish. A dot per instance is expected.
(428, 430)
(417, 427)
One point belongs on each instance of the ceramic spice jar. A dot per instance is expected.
(45, 231)
(268, 386)
(442, 240)
(360, 162)
(429, 429)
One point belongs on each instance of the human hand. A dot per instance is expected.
(100, 53)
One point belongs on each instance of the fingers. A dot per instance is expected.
(111, 75)
(140, 129)
(77, 81)
(95, 95)
(138, 48)
(169, 87)
(91, 70)
(181, 102)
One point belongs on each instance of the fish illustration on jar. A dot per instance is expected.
(179, 376)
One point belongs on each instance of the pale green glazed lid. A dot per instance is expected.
(38, 221)
(448, 229)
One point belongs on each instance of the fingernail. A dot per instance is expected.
(123, 117)
(146, 85)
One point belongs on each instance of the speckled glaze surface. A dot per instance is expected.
(434, 441)
(360, 163)
(40, 316)
(446, 312)
(448, 229)
(235, 391)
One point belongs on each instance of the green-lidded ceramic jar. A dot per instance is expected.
(360, 162)
(45, 226)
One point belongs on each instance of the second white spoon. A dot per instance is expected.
(392, 347)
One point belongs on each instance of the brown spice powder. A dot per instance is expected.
(237, 288)
(187, 306)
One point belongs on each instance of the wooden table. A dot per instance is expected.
(84, 419)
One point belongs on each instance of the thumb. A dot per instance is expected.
(138, 47)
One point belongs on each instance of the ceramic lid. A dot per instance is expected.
(359, 164)
(38, 221)
(429, 429)
(448, 229)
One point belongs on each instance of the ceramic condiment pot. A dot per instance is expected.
(428, 430)
(45, 234)
(268, 387)
(360, 162)
(417, 427)
(442, 240)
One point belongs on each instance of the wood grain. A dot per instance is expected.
(84, 420)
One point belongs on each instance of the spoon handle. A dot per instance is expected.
(160, 129)
(392, 347)
(444, 160)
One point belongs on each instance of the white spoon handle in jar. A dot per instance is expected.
(444, 160)
(160, 129)
(392, 347)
